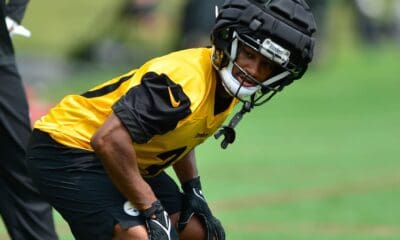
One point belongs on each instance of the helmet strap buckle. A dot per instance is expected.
(229, 131)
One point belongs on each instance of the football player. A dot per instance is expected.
(99, 157)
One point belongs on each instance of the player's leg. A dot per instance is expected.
(194, 230)
(132, 233)
(75, 183)
(171, 198)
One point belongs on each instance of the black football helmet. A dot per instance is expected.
(281, 30)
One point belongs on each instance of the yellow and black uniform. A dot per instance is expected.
(170, 97)
(168, 105)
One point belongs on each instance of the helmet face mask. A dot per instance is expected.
(247, 85)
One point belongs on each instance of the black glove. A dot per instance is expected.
(158, 223)
(195, 203)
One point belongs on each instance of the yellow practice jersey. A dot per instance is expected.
(167, 105)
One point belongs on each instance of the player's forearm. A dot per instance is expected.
(113, 145)
(186, 168)
(129, 182)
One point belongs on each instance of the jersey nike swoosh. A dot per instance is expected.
(174, 103)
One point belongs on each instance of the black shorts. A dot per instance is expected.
(77, 186)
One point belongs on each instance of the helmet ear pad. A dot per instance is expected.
(222, 40)
(220, 59)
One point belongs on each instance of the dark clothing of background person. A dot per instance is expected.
(25, 214)
(197, 21)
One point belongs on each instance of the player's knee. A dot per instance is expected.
(132, 233)
(194, 230)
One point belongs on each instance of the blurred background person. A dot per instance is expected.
(320, 9)
(197, 19)
(118, 41)
(378, 20)
(25, 214)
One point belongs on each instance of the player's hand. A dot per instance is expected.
(158, 223)
(15, 29)
(195, 203)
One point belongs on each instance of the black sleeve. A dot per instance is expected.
(153, 107)
(15, 9)
(6, 47)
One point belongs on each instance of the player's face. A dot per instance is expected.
(255, 64)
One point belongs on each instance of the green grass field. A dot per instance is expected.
(320, 161)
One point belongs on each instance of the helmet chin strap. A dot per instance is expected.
(228, 131)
